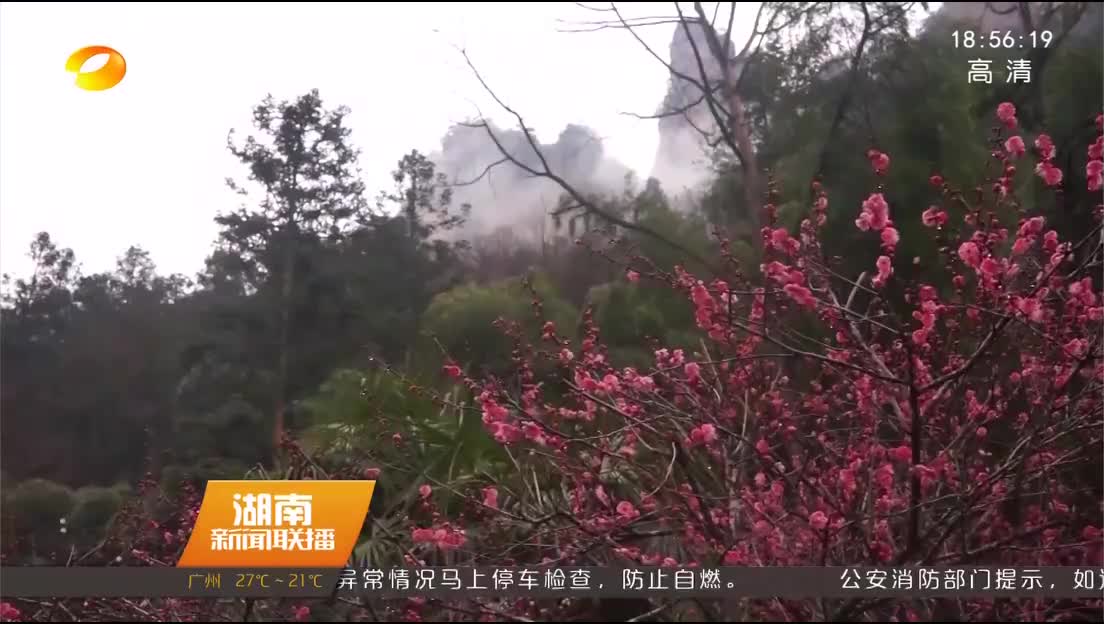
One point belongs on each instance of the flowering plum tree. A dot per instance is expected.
(825, 420)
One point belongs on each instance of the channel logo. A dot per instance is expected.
(103, 78)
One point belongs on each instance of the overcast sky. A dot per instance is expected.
(144, 162)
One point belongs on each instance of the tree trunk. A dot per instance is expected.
(736, 120)
(280, 399)
(753, 191)
(412, 208)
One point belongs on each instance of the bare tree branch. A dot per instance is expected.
(727, 116)
(732, 19)
(681, 110)
(603, 25)
(546, 172)
(708, 92)
(733, 125)
(590, 8)
(716, 109)
(486, 170)
(670, 68)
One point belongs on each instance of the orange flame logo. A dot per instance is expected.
(103, 78)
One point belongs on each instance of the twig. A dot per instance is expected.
(546, 172)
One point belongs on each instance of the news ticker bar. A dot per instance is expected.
(545, 582)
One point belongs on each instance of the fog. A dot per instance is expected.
(503, 195)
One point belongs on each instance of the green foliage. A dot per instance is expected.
(823, 118)
(355, 418)
(423, 197)
(1070, 93)
(355, 415)
(111, 342)
(629, 316)
(463, 319)
(40, 505)
(93, 510)
(1071, 100)
(689, 231)
(303, 162)
(365, 402)
(199, 472)
(230, 431)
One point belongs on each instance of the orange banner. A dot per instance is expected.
(278, 524)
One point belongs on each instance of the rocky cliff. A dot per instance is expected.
(681, 162)
(505, 195)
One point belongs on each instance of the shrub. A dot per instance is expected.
(39, 504)
(93, 511)
(463, 320)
